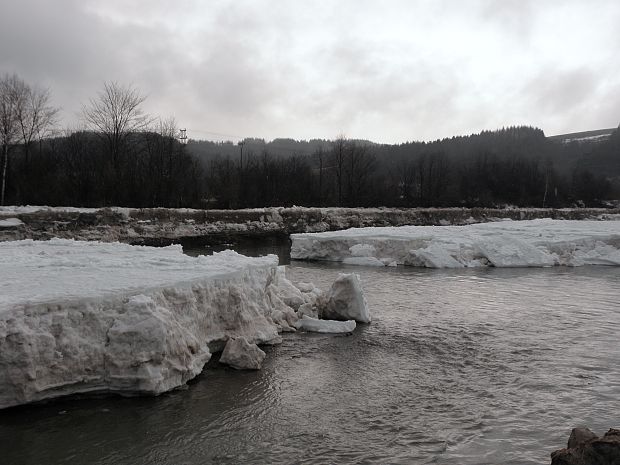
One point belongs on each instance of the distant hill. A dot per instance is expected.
(598, 135)
(207, 151)
(596, 151)
(603, 158)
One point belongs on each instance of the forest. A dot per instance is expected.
(120, 156)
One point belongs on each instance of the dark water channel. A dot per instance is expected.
(491, 366)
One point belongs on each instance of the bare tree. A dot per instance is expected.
(36, 116)
(115, 114)
(13, 93)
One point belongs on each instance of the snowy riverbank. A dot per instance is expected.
(160, 226)
(544, 242)
(84, 317)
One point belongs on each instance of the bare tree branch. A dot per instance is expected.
(115, 114)
(13, 97)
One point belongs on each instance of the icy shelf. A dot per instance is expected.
(93, 317)
(79, 317)
(534, 243)
(59, 270)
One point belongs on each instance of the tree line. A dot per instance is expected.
(119, 156)
(512, 166)
(122, 156)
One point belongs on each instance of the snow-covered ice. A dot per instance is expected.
(345, 300)
(314, 325)
(25, 209)
(60, 270)
(10, 222)
(242, 355)
(534, 243)
(82, 317)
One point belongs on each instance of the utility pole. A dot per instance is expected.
(183, 136)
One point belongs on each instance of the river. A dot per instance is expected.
(470, 366)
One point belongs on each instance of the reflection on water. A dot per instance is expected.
(458, 367)
(252, 247)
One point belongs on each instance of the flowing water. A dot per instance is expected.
(490, 366)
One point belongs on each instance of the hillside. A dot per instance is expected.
(598, 135)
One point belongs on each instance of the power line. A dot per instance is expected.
(216, 134)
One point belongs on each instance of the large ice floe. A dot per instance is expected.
(92, 317)
(534, 243)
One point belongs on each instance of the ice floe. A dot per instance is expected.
(307, 323)
(80, 317)
(345, 300)
(93, 317)
(534, 243)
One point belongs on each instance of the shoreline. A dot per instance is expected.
(165, 226)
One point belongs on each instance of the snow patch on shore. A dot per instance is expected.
(10, 223)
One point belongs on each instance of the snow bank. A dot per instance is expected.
(80, 317)
(543, 242)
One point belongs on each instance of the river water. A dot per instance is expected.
(488, 366)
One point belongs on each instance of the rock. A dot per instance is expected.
(345, 300)
(242, 355)
(613, 433)
(585, 448)
(325, 326)
(579, 436)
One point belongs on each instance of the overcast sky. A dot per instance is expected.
(384, 70)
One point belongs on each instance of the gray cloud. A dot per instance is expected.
(394, 71)
(516, 16)
(561, 92)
